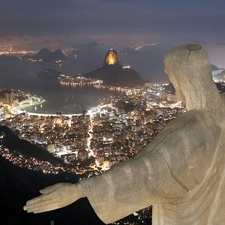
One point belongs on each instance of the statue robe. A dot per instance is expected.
(180, 173)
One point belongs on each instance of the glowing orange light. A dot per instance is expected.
(111, 58)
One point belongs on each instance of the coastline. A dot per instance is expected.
(26, 103)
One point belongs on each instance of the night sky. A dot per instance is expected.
(114, 20)
(56, 24)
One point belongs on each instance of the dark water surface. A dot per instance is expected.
(23, 76)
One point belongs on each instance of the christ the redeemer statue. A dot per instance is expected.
(181, 173)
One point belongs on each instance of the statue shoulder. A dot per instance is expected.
(180, 124)
(194, 124)
(187, 144)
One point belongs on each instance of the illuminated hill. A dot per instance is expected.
(114, 74)
(112, 58)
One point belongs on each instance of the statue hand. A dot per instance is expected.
(55, 197)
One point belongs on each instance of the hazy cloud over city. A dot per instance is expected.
(58, 24)
(100, 19)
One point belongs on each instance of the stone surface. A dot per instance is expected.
(181, 172)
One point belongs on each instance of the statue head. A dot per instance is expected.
(189, 69)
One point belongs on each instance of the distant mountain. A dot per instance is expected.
(44, 55)
(49, 74)
(6, 58)
(113, 73)
(117, 76)
(214, 68)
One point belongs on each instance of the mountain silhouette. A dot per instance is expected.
(113, 73)
(47, 56)
(117, 76)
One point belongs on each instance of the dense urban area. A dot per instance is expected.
(95, 140)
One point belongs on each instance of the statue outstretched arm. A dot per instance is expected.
(55, 197)
(115, 194)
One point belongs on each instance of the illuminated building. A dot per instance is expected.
(9, 97)
(2, 113)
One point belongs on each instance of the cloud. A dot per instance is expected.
(102, 18)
